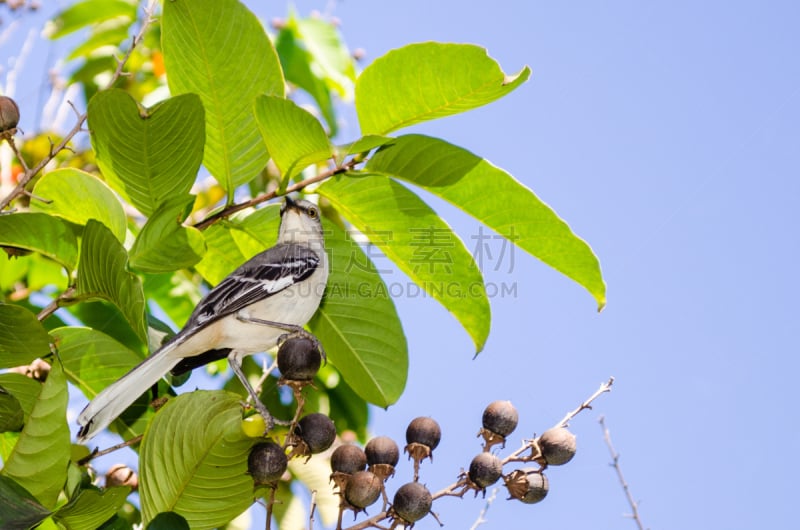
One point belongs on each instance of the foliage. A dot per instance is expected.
(130, 228)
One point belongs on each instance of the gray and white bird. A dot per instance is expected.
(273, 294)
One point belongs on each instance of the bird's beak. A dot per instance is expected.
(289, 201)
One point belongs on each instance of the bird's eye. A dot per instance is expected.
(313, 213)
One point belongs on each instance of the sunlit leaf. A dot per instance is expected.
(103, 274)
(295, 139)
(82, 14)
(358, 324)
(23, 388)
(40, 232)
(90, 508)
(193, 460)
(426, 81)
(220, 51)
(420, 243)
(164, 244)
(147, 155)
(22, 336)
(78, 196)
(496, 199)
(39, 460)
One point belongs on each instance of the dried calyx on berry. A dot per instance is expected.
(528, 485)
(555, 447)
(346, 460)
(363, 489)
(484, 470)
(298, 359)
(313, 434)
(266, 463)
(9, 114)
(382, 455)
(422, 435)
(411, 503)
(500, 418)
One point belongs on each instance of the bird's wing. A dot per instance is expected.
(262, 276)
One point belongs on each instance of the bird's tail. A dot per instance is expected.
(114, 399)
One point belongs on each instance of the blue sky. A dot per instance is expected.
(667, 136)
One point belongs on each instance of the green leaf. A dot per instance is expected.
(358, 324)
(41, 233)
(168, 521)
(78, 196)
(331, 56)
(164, 244)
(92, 361)
(495, 198)
(103, 274)
(426, 81)
(295, 139)
(22, 336)
(420, 243)
(11, 416)
(107, 36)
(89, 12)
(91, 508)
(147, 155)
(236, 240)
(24, 389)
(362, 145)
(193, 460)
(297, 64)
(18, 508)
(176, 294)
(39, 460)
(220, 51)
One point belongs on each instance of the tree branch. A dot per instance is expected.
(615, 464)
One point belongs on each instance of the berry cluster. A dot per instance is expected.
(359, 475)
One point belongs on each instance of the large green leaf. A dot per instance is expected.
(295, 139)
(22, 336)
(193, 460)
(496, 199)
(103, 274)
(41, 233)
(39, 460)
(358, 324)
(18, 508)
(219, 50)
(78, 196)
(426, 81)
(164, 244)
(420, 243)
(90, 508)
(92, 361)
(147, 155)
(331, 58)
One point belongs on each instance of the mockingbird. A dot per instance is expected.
(273, 294)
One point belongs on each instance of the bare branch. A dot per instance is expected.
(615, 463)
(96, 453)
(482, 515)
(605, 387)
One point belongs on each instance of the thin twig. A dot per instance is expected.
(313, 507)
(26, 177)
(96, 453)
(53, 306)
(615, 464)
(605, 387)
(482, 515)
(233, 208)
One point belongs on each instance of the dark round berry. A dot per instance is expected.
(485, 469)
(412, 502)
(317, 431)
(266, 463)
(349, 459)
(527, 485)
(557, 446)
(363, 489)
(382, 450)
(298, 359)
(424, 431)
(500, 417)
